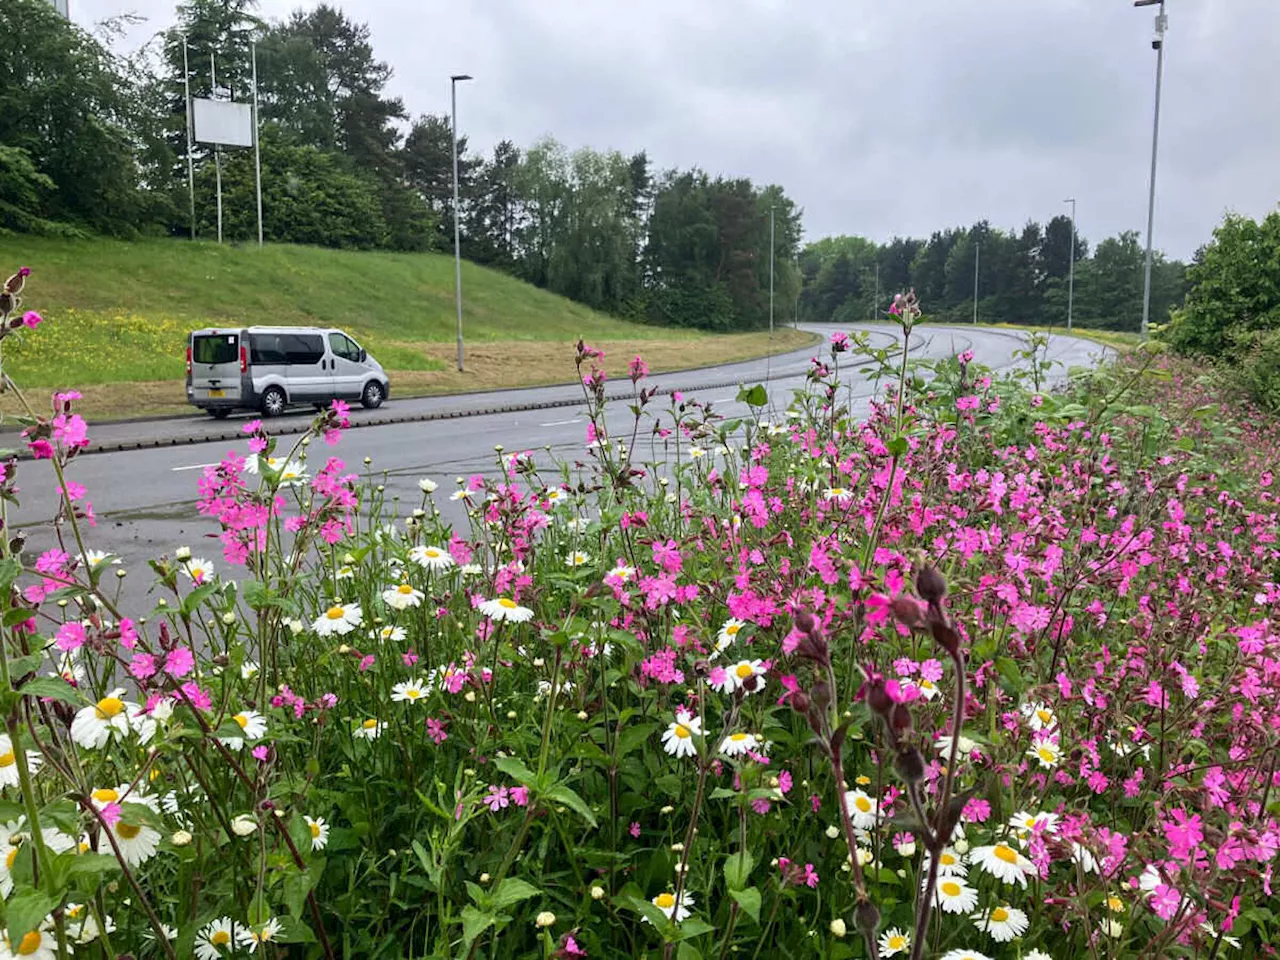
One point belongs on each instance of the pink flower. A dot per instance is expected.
(52, 562)
(520, 796)
(341, 412)
(667, 556)
(41, 449)
(32, 319)
(261, 752)
(142, 665)
(366, 662)
(634, 829)
(497, 798)
(409, 658)
(810, 876)
(111, 814)
(638, 369)
(784, 782)
(179, 662)
(199, 698)
(70, 636)
(1165, 900)
(436, 731)
(976, 811)
(571, 948)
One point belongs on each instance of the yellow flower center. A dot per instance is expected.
(950, 888)
(6, 759)
(108, 707)
(10, 858)
(369, 724)
(1007, 854)
(737, 737)
(1044, 715)
(863, 804)
(127, 830)
(197, 573)
(431, 552)
(506, 604)
(1115, 904)
(926, 685)
(664, 901)
(683, 733)
(315, 831)
(30, 943)
(947, 860)
(220, 938)
(106, 795)
(335, 613)
(413, 693)
(838, 491)
(241, 719)
(999, 915)
(732, 629)
(897, 941)
(404, 589)
(863, 781)
(744, 670)
(1046, 754)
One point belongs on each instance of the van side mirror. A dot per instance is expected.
(364, 354)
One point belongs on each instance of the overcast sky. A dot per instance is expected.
(879, 117)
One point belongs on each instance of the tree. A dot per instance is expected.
(493, 213)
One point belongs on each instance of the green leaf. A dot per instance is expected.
(688, 951)
(512, 890)
(9, 571)
(755, 396)
(293, 930)
(898, 446)
(634, 737)
(749, 901)
(19, 666)
(55, 688)
(193, 600)
(515, 769)
(646, 909)
(474, 923)
(27, 909)
(90, 864)
(737, 869)
(298, 884)
(562, 794)
(16, 616)
(694, 927)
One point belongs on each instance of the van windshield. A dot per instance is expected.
(219, 348)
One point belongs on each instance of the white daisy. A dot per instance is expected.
(319, 832)
(431, 558)
(293, 474)
(554, 496)
(678, 738)
(389, 634)
(1025, 823)
(928, 689)
(410, 691)
(740, 677)
(577, 559)
(339, 620)
(1212, 931)
(838, 494)
(54, 839)
(954, 895)
(427, 485)
(93, 726)
(82, 925)
(216, 937)
(1045, 749)
(1003, 923)
(951, 863)
(368, 729)
(864, 812)
(696, 453)
(1084, 856)
(666, 902)
(504, 609)
(249, 669)
(251, 937)
(1003, 862)
(894, 941)
(736, 744)
(252, 723)
(624, 572)
(1036, 955)
(460, 495)
(200, 571)
(729, 631)
(93, 559)
(471, 569)
(577, 524)
(402, 597)
(138, 842)
(9, 762)
(964, 747)
(964, 955)
(38, 944)
(345, 572)
(1038, 716)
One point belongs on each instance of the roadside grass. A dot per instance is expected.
(1118, 339)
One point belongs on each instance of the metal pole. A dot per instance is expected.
(1162, 24)
(457, 234)
(217, 150)
(1071, 268)
(977, 251)
(771, 271)
(257, 153)
(191, 175)
(875, 304)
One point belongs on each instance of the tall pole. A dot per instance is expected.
(771, 271)
(457, 233)
(1071, 264)
(191, 174)
(977, 251)
(875, 305)
(217, 150)
(257, 153)
(1162, 24)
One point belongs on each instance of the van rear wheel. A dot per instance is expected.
(273, 402)
(373, 395)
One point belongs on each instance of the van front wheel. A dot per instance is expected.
(373, 395)
(273, 402)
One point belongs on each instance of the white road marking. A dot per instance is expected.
(560, 423)
(195, 466)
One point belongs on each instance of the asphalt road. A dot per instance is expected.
(145, 499)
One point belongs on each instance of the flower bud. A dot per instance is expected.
(900, 719)
(906, 610)
(597, 892)
(800, 702)
(867, 917)
(243, 825)
(545, 919)
(930, 584)
(838, 929)
(181, 838)
(804, 621)
(910, 765)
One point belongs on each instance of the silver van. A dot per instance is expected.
(269, 368)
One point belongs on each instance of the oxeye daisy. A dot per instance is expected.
(554, 496)
(1046, 751)
(1003, 862)
(928, 689)
(964, 955)
(93, 726)
(345, 572)
(837, 494)
(431, 558)
(729, 631)
(505, 610)
(252, 937)
(1026, 823)
(11, 840)
(338, 620)
(577, 559)
(410, 691)
(623, 572)
(199, 570)
(38, 944)
(864, 812)
(954, 895)
(1003, 923)
(1038, 716)
(368, 729)
(736, 744)
(402, 597)
(894, 941)
(9, 762)
(319, 832)
(137, 842)
(950, 863)
(82, 925)
(678, 738)
(216, 939)
(252, 723)
(677, 911)
(744, 675)
(95, 559)
(427, 485)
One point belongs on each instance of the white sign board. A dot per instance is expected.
(224, 122)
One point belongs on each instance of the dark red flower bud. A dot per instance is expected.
(930, 584)
(805, 621)
(878, 698)
(800, 702)
(907, 611)
(867, 917)
(900, 719)
(821, 695)
(910, 764)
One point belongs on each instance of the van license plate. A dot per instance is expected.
(217, 393)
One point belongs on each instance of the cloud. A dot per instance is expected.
(877, 118)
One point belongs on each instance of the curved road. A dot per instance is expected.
(145, 498)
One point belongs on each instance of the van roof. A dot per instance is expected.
(282, 329)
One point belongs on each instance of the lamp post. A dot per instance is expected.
(1157, 43)
(457, 235)
(977, 252)
(1071, 268)
(771, 249)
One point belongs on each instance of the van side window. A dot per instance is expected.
(266, 348)
(344, 347)
(302, 348)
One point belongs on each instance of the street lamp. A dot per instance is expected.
(1157, 44)
(771, 249)
(1071, 268)
(457, 236)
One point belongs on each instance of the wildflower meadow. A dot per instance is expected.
(991, 673)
